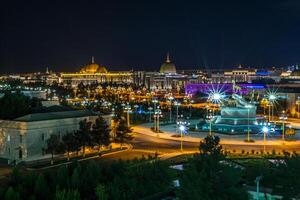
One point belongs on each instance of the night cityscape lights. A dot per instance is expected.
(150, 100)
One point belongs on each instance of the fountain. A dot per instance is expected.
(236, 117)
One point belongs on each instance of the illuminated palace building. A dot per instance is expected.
(168, 78)
(94, 73)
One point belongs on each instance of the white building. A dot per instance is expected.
(24, 138)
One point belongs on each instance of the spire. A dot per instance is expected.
(47, 70)
(168, 58)
(93, 60)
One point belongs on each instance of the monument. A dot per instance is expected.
(237, 116)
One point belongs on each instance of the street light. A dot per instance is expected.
(170, 98)
(128, 110)
(177, 104)
(248, 106)
(183, 128)
(150, 111)
(265, 130)
(215, 97)
(157, 115)
(283, 118)
(272, 98)
(154, 101)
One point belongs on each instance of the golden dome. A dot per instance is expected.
(168, 67)
(93, 68)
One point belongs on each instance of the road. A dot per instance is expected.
(144, 145)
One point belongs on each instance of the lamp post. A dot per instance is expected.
(265, 130)
(283, 118)
(177, 104)
(248, 131)
(157, 115)
(272, 98)
(128, 110)
(215, 98)
(183, 129)
(154, 101)
(150, 111)
(170, 100)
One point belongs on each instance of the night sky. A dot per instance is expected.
(123, 35)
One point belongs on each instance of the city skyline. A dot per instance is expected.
(138, 35)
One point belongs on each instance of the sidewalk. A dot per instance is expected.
(225, 139)
(125, 147)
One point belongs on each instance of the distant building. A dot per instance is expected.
(168, 77)
(24, 138)
(243, 75)
(94, 73)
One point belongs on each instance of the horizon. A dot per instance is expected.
(197, 34)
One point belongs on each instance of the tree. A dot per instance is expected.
(70, 143)
(14, 105)
(75, 179)
(41, 189)
(54, 146)
(83, 135)
(100, 192)
(209, 175)
(11, 194)
(101, 132)
(122, 132)
(211, 145)
(67, 195)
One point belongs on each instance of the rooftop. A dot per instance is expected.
(55, 115)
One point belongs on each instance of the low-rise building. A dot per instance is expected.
(24, 138)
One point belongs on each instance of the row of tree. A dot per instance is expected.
(118, 180)
(14, 105)
(88, 135)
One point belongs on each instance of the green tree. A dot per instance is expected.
(41, 190)
(11, 194)
(286, 176)
(83, 135)
(75, 179)
(123, 132)
(100, 192)
(101, 133)
(54, 146)
(62, 177)
(211, 145)
(67, 195)
(14, 105)
(209, 175)
(70, 143)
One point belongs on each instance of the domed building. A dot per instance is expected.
(94, 73)
(167, 67)
(93, 68)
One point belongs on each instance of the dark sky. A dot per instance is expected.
(63, 35)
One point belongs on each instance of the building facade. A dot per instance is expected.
(94, 73)
(24, 138)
